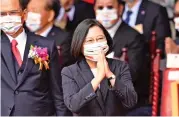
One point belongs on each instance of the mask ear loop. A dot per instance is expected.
(106, 49)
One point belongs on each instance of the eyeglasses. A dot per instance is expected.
(90, 40)
(13, 12)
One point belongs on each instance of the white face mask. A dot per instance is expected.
(176, 20)
(106, 16)
(91, 51)
(33, 21)
(10, 24)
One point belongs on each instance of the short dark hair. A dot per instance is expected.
(80, 35)
(53, 5)
(23, 4)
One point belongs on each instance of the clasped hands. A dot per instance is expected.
(103, 70)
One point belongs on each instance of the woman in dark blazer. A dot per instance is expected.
(95, 85)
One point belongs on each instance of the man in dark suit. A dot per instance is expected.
(27, 89)
(40, 18)
(74, 13)
(108, 13)
(148, 17)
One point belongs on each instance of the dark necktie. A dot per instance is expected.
(129, 13)
(16, 52)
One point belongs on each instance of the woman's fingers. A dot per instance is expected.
(100, 65)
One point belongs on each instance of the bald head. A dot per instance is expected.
(9, 5)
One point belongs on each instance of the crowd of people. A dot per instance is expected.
(66, 57)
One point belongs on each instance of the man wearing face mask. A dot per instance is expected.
(108, 14)
(170, 45)
(30, 83)
(40, 18)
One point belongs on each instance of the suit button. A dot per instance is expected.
(10, 108)
(16, 92)
(19, 73)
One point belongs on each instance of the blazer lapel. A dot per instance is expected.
(85, 71)
(118, 40)
(27, 63)
(88, 76)
(142, 12)
(116, 37)
(7, 55)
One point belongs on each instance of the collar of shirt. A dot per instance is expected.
(135, 10)
(70, 13)
(46, 32)
(21, 40)
(113, 29)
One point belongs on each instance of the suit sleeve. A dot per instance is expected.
(123, 87)
(56, 84)
(67, 58)
(162, 28)
(75, 98)
(136, 56)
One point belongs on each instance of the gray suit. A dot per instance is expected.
(81, 99)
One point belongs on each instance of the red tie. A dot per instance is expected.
(16, 52)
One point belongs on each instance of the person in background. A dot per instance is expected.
(108, 13)
(146, 17)
(30, 83)
(40, 18)
(172, 45)
(95, 85)
(71, 14)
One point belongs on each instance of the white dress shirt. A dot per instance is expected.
(135, 10)
(70, 13)
(112, 32)
(21, 40)
(46, 32)
(94, 71)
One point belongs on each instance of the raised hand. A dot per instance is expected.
(100, 65)
(170, 46)
(108, 73)
(100, 72)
